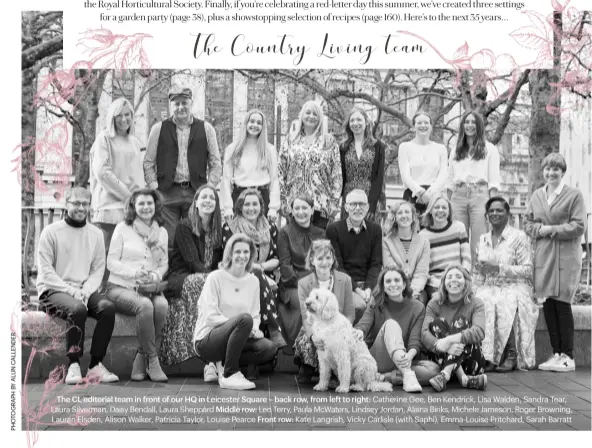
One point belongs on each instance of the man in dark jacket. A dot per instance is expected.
(181, 151)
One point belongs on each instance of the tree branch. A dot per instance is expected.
(31, 55)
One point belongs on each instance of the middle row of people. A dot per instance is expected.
(356, 246)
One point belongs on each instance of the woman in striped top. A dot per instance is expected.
(449, 243)
(404, 247)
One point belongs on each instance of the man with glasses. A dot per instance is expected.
(71, 262)
(358, 248)
(181, 152)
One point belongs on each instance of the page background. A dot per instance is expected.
(11, 248)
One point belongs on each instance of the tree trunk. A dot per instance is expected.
(544, 127)
(545, 118)
(86, 114)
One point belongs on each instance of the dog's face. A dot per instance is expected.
(322, 304)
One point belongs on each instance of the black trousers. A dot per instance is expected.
(73, 311)
(560, 325)
(408, 196)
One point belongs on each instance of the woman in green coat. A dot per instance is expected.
(556, 221)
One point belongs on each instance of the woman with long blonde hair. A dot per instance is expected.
(251, 162)
(309, 162)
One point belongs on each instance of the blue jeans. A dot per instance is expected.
(150, 315)
(468, 206)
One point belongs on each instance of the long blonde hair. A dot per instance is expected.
(320, 131)
(235, 150)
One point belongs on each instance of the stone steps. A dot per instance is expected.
(47, 335)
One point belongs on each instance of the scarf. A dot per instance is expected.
(150, 234)
(259, 234)
(73, 223)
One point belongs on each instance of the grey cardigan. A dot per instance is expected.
(416, 263)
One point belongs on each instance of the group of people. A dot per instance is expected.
(212, 275)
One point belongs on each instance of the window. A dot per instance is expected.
(123, 84)
(261, 95)
(433, 104)
(219, 100)
(158, 104)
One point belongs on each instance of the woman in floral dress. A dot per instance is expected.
(197, 250)
(309, 162)
(362, 159)
(502, 279)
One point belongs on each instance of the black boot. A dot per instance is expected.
(511, 356)
(305, 374)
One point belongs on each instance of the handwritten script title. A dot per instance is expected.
(287, 45)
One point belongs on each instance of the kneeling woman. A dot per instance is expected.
(227, 329)
(391, 326)
(138, 260)
(453, 329)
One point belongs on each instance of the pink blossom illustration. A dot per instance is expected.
(43, 335)
(117, 51)
(488, 68)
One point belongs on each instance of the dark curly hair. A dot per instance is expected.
(130, 205)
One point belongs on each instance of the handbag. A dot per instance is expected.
(152, 288)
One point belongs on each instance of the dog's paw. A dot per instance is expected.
(342, 390)
(356, 388)
(321, 387)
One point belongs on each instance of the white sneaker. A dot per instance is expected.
(210, 373)
(565, 364)
(74, 376)
(551, 362)
(101, 373)
(236, 381)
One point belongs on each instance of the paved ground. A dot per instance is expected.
(516, 401)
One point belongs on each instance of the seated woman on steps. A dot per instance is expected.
(138, 261)
(197, 250)
(227, 329)
(391, 326)
(453, 329)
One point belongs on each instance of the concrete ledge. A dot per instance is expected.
(582, 324)
(40, 330)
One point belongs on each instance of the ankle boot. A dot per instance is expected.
(154, 371)
(511, 356)
(276, 337)
(139, 368)
(410, 383)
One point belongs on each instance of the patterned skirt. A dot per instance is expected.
(269, 315)
(305, 351)
(177, 335)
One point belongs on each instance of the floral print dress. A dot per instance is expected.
(314, 169)
(508, 296)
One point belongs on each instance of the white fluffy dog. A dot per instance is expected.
(347, 357)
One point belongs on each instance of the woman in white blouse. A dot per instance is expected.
(138, 259)
(422, 164)
(251, 162)
(473, 177)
